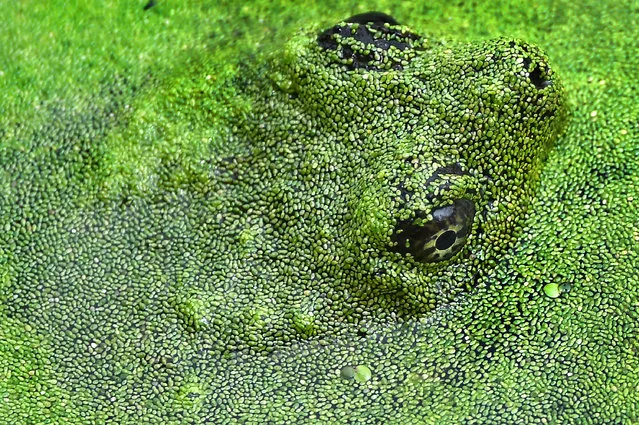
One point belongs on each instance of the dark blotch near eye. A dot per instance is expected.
(439, 239)
(454, 169)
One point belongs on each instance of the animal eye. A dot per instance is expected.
(439, 239)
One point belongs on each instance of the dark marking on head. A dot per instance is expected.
(362, 38)
(454, 169)
(375, 18)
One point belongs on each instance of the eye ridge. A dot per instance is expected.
(453, 169)
(439, 239)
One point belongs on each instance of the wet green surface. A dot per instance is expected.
(139, 282)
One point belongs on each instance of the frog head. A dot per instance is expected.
(438, 145)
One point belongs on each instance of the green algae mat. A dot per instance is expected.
(267, 213)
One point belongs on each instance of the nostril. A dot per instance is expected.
(538, 80)
(535, 76)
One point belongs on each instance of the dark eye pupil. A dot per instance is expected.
(446, 240)
(439, 239)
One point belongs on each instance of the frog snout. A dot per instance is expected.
(533, 63)
(541, 92)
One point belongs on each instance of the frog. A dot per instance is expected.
(415, 158)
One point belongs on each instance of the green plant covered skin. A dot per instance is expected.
(413, 159)
(371, 225)
(380, 172)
